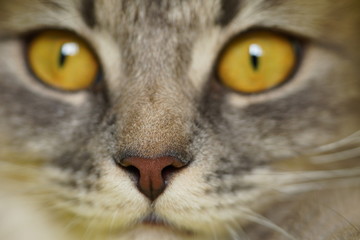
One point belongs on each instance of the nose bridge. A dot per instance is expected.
(155, 110)
(155, 122)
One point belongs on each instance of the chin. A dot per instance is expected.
(158, 232)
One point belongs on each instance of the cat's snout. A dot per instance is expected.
(152, 173)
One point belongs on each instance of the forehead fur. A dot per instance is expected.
(178, 14)
(117, 16)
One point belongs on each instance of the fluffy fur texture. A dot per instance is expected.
(279, 165)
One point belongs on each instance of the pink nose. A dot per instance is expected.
(153, 173)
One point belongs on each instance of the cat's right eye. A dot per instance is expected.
(62, 60)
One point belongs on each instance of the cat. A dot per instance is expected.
(174, 125)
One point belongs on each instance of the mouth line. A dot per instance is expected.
(154, 220)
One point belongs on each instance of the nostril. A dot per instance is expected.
(168, 172)
(134, 173)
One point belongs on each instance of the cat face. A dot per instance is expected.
(159, 94)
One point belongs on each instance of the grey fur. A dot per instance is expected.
(248, 155)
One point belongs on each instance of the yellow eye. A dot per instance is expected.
(62, 60)
(257, 61)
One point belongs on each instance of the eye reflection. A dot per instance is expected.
(70, 49)
(255, 52)
(67, 49)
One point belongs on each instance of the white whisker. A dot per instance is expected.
(312, 186)
(68, 227)
(214, 234)
(345, 219)
(279, 178)
(254, 217)
(112, 223)
(338, 156)
(238, 234)
(352, 139)
(325, 174)
(88, 233)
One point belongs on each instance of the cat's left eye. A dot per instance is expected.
(257, 61)
(62, 60)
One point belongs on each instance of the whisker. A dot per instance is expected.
(71, 225)
(337, 156)
(289, 177)
(254, 217)
(214, 234)
(234, 235)
(325, 174)
(351, 139)
(7, 167)
(112, 223)
(343, 217)
(88, 233)
(236, 232)
(312, 186)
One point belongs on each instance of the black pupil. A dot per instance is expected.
(255, 62)
(66, 50)
(255, 52)
(62, 59)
